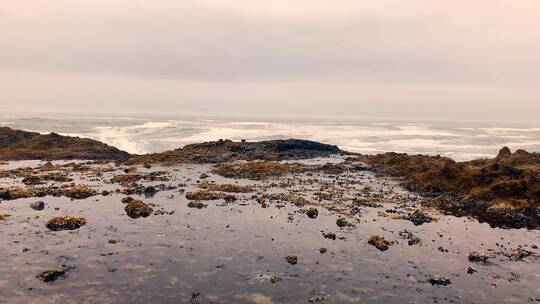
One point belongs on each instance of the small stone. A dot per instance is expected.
(329, 235)
(379, 242)
(291, 259)
(439, 280)
(475, 256)
(39, 205)
(471, 270)
(341, 222)
(323, 250)
(50, 276)
(196, 204)
(317, 299)
(127, 199)
(419, 218)
(312, 212)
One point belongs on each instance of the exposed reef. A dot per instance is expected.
(22, 145)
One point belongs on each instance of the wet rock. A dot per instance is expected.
(341, 222)
(137, 208)
(312, 212)
(379, 242)
(291, 259)
(127, 199)
(274, 278)
(3, 217)
(517, 254)
(228, 151)
(231, 188)
(65, 223)
(323, 250)
(471, 270)
(412, 238)
(329, 235)
(204, 195)
(439, 280)
(150, 191)
(50, 276)
(317, 299)
(80, 192)
(196, 204)
(105, 193)
(38, 206)
(419, 218)
(475, 256)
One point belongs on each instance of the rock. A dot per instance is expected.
(317, 299)
(274, 278)
(50, 276)
(504, 152)
(379, 242)
(412, 239)
(419, 218)
(137, 208)
(341, 222)
(329, 235)
(21, 145)
(196, 204)
(312, 212)
(439, 280)
(291, 259)
(323, 250)
(471, 270)
(65, 223)
(38, 206)
(517, 254)
(475, 256)
(105, 193)
(127, 199)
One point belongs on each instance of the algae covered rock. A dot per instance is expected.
(137, 208)
(65, 223)
(379, 242)
(50, 276)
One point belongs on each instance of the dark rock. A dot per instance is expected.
(196, 204)
(504, 152)
(475, 256)
(39, 205)
(291, 259)
(329, 235)
(341, 222)
(312, 212)
(439, 280)
(419, 218)
(379, 242)
(50, 276)
(127, 199)
(22, 145)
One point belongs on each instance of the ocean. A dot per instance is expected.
(140, 134)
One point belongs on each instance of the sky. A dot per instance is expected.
(430, 59)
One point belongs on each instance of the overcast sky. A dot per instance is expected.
(475, 59)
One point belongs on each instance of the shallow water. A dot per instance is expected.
(228, 253)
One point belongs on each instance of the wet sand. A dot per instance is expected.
(234, 252)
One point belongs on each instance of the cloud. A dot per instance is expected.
(345, 51)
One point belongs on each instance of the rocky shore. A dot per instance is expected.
(286, 221)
